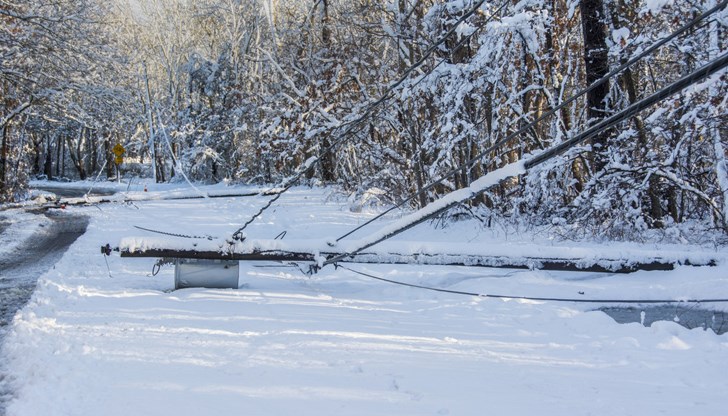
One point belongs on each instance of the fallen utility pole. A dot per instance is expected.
(440, 259)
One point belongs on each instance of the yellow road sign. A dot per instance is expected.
(118, 150)
(119, 160)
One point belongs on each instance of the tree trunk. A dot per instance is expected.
(419, 172)
(109, 156)
(94, 143)
(4, 159)
(596, 65)
(328, 159)
(60, 156)
(37, 140)
(721, 165)
(159, 166)
(48, 166)
(76, 153)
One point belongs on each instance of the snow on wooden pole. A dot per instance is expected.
(440, 254)
(434, 208)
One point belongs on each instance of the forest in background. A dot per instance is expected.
(404, 91)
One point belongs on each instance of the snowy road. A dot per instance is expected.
(339, 343)
(21, 266)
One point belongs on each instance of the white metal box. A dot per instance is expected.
(219, 274)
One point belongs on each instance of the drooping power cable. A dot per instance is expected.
(529, 298)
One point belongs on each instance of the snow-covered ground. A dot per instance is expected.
(340, 343)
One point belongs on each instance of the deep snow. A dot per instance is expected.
(338, 343)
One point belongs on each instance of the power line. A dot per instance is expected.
(530, 298)
(174, 234)
(606, 123)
